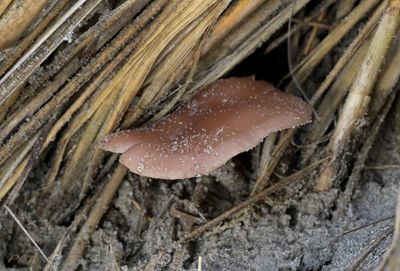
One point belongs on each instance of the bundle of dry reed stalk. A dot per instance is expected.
(73, 72)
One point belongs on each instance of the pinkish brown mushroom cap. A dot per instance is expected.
(226, 118)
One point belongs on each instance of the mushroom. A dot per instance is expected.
(223, 119)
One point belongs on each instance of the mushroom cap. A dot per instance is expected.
(223, 119)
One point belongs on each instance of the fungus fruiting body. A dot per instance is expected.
(223, 119)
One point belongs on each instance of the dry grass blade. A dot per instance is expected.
(7, 169)
(44, 113)
(269, 167)
(94, 217)
(13, 170)
(312, 37)
(181, 89)
(115, 263)
(344, 7)
(88, 44)
(391, 260)
(36, 102)
(275, 43)
(300, 25)
(74, 125)
(331, 102)
(200, 264)
(3, 6)
(344, 59)
(11, 181)
(246, 44)
(13, 53)
(170, 70)
(363, 155)
(358, 261)
(73, 86)
(305, 67)
(54, 261)
(100, 95)
(359, 95)
(38, 53)
(34, 157)
(241, 10)
(79, 158)
(11, 213)
(86, 41)
(18, 17)
(344, 72)
(387, 81)
(267, 149)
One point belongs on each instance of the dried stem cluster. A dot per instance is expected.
(74, 71)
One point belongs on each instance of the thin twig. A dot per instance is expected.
(362, 227)
(382, 167)
(252, 200)
(25, 231)
(357, 262)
